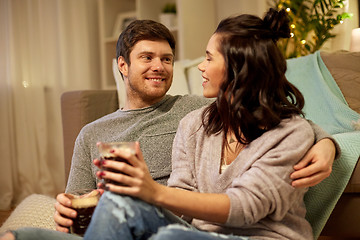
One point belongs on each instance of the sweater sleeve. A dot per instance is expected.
(265, 188)
(182, 175)
(81, 176)
(320, 134)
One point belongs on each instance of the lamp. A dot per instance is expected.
(355, 40)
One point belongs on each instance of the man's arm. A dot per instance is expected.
(317, 163)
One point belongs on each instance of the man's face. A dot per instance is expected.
(149, 75)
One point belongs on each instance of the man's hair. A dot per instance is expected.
(255, 95)
(142, 30)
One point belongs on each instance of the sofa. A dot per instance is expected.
(81, 107)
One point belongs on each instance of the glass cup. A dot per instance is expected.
(83, 202)
(105, 154)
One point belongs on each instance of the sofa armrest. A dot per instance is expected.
(79, 108)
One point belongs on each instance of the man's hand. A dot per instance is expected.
(63, 213)
(315, 166)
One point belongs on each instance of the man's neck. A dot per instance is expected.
(140, 103)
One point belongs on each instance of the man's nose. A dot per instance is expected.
(157, 65)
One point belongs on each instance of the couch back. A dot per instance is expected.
(79, 108)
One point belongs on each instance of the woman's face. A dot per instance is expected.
(212, 68)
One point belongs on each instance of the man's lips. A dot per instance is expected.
(156, 79)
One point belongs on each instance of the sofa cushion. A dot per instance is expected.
(344, 67)
(34, 211)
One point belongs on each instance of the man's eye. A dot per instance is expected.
(168, 60)
(145, 57)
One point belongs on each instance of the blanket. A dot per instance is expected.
(326, 106)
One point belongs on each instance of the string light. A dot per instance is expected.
(320, 28)
(25, 84)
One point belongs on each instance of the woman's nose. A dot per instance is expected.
(201, 66)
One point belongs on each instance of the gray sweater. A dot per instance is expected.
(263, 204)
(154, 127)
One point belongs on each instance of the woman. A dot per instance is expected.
(231, 159)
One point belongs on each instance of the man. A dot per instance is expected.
(145, 53)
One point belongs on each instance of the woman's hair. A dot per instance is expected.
(255, 95)
(142, 30)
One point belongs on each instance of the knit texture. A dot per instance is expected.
(34, 211)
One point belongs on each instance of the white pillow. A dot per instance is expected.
(193, 76)
(34, 211)
(120, 86)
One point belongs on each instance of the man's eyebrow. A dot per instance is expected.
(152, 53)
(169, 54)
(146, 52)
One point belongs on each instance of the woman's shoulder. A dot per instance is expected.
(194, 116)
(295, 120)
(192, 122)
(295, 125)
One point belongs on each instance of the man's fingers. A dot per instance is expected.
(63, 200)
(305, 161)
(62, 229)
(307, 182)
(65, 211)
(304, 172)
(61, 221)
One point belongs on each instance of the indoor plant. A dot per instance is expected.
(311, 22)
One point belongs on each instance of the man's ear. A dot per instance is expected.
(123, 66)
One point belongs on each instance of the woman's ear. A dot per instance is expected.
(123, 66)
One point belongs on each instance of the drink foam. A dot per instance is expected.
(84, 201)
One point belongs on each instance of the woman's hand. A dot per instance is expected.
(135, 179)
(315, 166)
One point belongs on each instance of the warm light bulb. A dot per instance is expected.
(292, 34)
(303, 42)
(25, 84)
(292, 25)
(288, 9)
(341, 21)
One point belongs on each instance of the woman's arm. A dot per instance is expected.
(139, 183)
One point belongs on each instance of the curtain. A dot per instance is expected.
(46, 47)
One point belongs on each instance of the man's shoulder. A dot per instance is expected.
(191, 102)
(105, 120)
